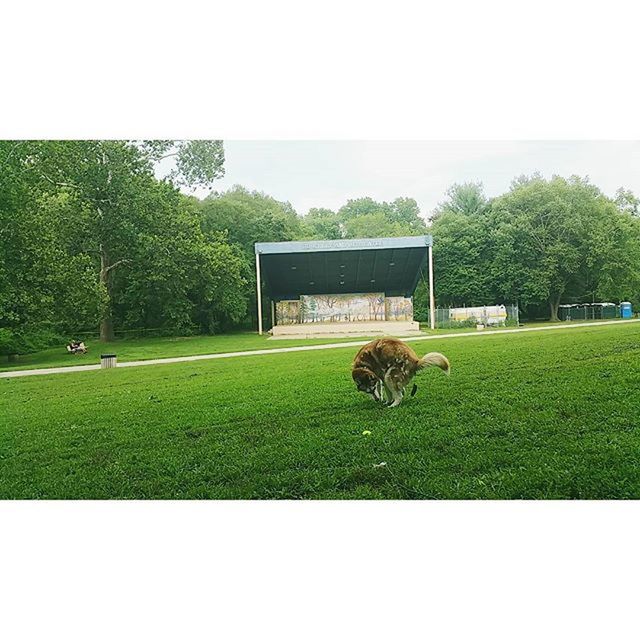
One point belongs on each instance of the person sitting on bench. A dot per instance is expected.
(76, 346)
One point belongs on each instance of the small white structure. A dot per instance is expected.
(488, 316)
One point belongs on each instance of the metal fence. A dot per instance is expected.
(158, 332)
(593, 311)
(461, 317)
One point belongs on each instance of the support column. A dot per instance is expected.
(259, 293)
(273, 314)
(432, 300)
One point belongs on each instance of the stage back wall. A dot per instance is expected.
(344, 307)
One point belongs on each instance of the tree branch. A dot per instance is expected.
(13, 149)
(117, 263)
(58, 184)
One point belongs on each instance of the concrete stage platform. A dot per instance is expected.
(345, 330)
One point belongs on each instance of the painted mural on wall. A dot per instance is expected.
(342, 307)
(288, 312)
(398, 308)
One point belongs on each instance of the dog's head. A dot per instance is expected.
(366, 381)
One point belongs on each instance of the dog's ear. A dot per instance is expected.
(360, 374)
(363, 378)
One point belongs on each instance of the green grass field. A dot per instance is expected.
(541, 415)
(151, 348)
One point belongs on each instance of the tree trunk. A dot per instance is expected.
(106, 321)
(554, 303)
(106, 329)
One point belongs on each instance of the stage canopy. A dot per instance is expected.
(388, 265)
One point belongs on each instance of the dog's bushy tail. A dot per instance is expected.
(435, 359)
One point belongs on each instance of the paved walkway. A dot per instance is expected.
(315, 347)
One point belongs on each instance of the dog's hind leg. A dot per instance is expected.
(393, 382)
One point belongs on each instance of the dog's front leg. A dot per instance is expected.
(377, 392)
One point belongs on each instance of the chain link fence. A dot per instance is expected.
(471, 317)
(593, 311)
(159, 332)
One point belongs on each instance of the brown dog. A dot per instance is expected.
(389, 364)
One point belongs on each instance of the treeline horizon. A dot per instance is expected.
(90, 237)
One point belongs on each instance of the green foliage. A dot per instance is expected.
(197, 162)
(89, 235)
(366, 218)
(627, 201)
(421, 300)
(371, 225)
(248, 217)
(461, 253)
(14, 342)
(543, 242)
(47, 283)
(111, 184)
(561, 239)
(461, 237)
(243, 218)
(321, 224)
(466, 199)
(178, 278)
(222, 290)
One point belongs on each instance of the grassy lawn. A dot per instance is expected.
(542, 415)
(151, 348)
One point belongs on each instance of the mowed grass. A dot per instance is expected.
(151, 348)
(541, 415)
(129, 349)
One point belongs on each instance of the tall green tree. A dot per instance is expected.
(372, 225)
(360, 207)
(321, 224)
(106, 178)
(405, 212)
(47, 284)
(549, 239)
(402, 216)
(464, 199)
(462, 256)
(178, 280)
(627, 201)
(248, 217)
(461, 250)
(366, 218)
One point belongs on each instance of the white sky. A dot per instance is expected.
(328, 173)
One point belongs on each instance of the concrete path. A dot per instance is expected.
(315, 347)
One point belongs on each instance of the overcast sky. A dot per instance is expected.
(328, 173)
